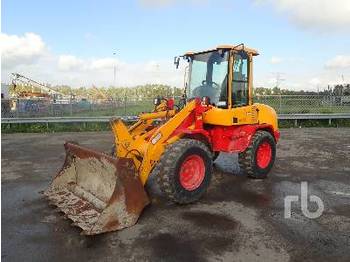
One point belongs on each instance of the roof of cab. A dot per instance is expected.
(226, 47)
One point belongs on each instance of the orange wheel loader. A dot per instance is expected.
(176, 143)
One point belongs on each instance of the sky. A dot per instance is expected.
(306, 44)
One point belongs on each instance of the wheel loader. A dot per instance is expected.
(176, 144)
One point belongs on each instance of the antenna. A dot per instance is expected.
(278, 78)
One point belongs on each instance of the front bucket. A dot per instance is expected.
(98, 192)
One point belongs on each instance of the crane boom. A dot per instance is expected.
(26, 80)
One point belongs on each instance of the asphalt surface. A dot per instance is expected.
(239, 219)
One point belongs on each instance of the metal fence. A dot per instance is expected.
(34, 108)
(131, 119)
(130, 106)
(305, 104)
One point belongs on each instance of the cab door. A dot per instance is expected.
(242, 109)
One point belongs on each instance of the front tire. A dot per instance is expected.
(185, 170)
(258, 159)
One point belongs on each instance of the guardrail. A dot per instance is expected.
(104, 119)
(100, 119)
(297, 117)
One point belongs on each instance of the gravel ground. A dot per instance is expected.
(239, 219)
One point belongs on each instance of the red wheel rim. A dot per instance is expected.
(264, 155)
(192, 172)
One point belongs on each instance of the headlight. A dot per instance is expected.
(156, 138)
(156, 101)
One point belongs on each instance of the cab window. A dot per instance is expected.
(208, 76)
(240, 79)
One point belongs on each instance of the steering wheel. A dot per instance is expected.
(205, 83)
(209, 89)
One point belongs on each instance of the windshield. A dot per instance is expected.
(208, 76)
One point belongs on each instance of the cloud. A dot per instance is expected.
(315, 81)
(276, 60)
(103, 63)
(314, 14)
(28, 55)
(338, 62)
(26, 49)
(45, 66)
(307, 80)
(69, 62)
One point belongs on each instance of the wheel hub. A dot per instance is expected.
(192, 172)
(264, 155)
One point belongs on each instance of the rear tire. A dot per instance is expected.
(185, 171)
(258, 159)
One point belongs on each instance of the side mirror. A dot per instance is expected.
(176, 61)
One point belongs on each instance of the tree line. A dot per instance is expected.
(148, 91)
(337, 90)
(151, 91)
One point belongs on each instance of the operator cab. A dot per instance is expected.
(213, 73)
(208, 74)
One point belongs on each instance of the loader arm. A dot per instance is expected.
(146, 148)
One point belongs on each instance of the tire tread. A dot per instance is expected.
(166, 169)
